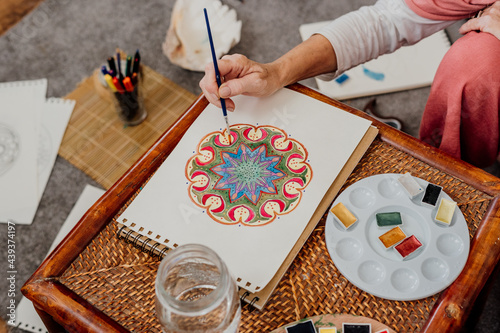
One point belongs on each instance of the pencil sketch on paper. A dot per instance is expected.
(9, 147)
(250, 177)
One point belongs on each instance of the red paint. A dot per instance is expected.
(408, 246)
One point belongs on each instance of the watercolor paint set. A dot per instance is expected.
(308, 327)
(356, 328)
(302, 327)
(397, 236)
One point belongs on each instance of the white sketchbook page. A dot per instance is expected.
(55, 117)
(407, 68)
(19, 119)
(253, 254)
(26, 316)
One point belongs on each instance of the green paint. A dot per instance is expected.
(391, 219)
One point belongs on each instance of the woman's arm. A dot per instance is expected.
(371, 31)
(243, 76)
(350, 40)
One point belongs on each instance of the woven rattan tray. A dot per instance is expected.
(95, 282)
(118, 279)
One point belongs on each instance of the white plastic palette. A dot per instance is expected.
(363, 260)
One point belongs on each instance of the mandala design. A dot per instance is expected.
(249, 177)
(9, 147)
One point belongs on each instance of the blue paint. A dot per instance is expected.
(342, 78)
(373, 75)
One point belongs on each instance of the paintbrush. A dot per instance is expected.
(217, 74)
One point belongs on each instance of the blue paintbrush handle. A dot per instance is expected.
(214, 59)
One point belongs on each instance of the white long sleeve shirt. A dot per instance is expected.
(371, 31)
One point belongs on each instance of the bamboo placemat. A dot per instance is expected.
(98, 143)
(118, 279)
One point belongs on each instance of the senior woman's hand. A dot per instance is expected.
(488, 21)
(240, 76)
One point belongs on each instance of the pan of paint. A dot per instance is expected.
(422, 261)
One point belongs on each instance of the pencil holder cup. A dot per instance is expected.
(129, 101)
(196, 293)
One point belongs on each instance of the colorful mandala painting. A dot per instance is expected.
(251, 177)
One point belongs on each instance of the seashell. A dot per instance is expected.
(186, 43)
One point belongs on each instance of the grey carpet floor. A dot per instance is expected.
(65, 41)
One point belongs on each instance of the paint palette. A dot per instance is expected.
(362, 258)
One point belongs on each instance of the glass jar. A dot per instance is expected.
(195, 292)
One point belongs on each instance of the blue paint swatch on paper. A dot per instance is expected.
(342, 78)
(373, 75)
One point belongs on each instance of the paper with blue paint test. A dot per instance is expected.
(409, 67)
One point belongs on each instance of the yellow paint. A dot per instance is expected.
(392, 237)
(327, 330)
(343, 215)
(445, 211)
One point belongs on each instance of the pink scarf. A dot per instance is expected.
(447, 10)
(461, 116)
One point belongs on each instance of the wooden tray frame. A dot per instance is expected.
(57, 305)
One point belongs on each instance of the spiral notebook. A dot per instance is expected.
(409, 67)
(186, 202)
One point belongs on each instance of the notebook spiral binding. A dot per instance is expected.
(25, 83)
(54, 100)
(143, 243)
(156, 249)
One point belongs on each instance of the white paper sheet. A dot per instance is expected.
(409, 67)
(20, 112)
(26, 316)
(252, 253)
(55, 117)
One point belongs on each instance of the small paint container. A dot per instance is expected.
(392, 237)
(343, 216)
(409, 247)
(356, 328)
(445, 212)
(303, 327)
(410, 185)
(389, 219)
(431, 194)
(327, 330)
